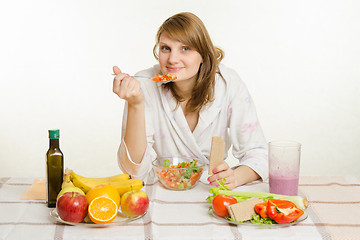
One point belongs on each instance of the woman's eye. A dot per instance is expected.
(185, 48)
(164, 48)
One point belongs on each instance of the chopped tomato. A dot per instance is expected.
(160, 78)
(194, 177)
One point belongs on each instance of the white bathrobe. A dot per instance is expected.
(231, 115)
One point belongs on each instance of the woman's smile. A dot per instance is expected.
(174, 69)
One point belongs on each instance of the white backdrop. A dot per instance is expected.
(299, 59)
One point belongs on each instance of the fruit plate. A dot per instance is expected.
(119, 220)
(248, 223)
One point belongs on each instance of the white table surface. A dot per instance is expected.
(184, 215)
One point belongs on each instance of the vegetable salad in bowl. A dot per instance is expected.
(178, 173)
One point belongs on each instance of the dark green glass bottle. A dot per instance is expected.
(54, 168)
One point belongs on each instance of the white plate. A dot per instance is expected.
(119, 220)
(248, 223)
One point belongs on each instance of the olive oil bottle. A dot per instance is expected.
(54, 168)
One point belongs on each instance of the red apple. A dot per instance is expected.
(134, 203)
(70, 189)
(72, 207)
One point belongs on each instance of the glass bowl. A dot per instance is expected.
(178, 173)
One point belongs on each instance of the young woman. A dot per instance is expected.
(180, 118)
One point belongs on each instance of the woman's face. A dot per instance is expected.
(178, 58)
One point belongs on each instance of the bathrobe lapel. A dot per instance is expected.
(210, 112)
(206, 116)
(179, 123)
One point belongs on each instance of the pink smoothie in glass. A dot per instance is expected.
(286, 185)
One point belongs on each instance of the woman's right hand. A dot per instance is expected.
(127, 88)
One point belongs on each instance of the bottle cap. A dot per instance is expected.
(54, 134)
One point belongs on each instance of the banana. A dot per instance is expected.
(128, 185)
(67, 179)
(85, 183)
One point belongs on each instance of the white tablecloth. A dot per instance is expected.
(184, 215)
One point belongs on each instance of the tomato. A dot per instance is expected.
(220, 202)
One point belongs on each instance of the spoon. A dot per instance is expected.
(134, 76)
(161, 81)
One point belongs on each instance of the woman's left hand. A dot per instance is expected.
(223, 171)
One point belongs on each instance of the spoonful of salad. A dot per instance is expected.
(164, 78)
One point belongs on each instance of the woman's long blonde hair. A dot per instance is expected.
(189, 29)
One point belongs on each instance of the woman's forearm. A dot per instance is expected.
(244, 174)
(135, 133)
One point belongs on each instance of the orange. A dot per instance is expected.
(102, 210)
(105, 191)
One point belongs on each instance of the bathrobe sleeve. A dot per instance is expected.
(142, 169)
(246, 136)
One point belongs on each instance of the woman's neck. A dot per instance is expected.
(184, 88)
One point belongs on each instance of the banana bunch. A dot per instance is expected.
(122, 182)
(67, 185)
